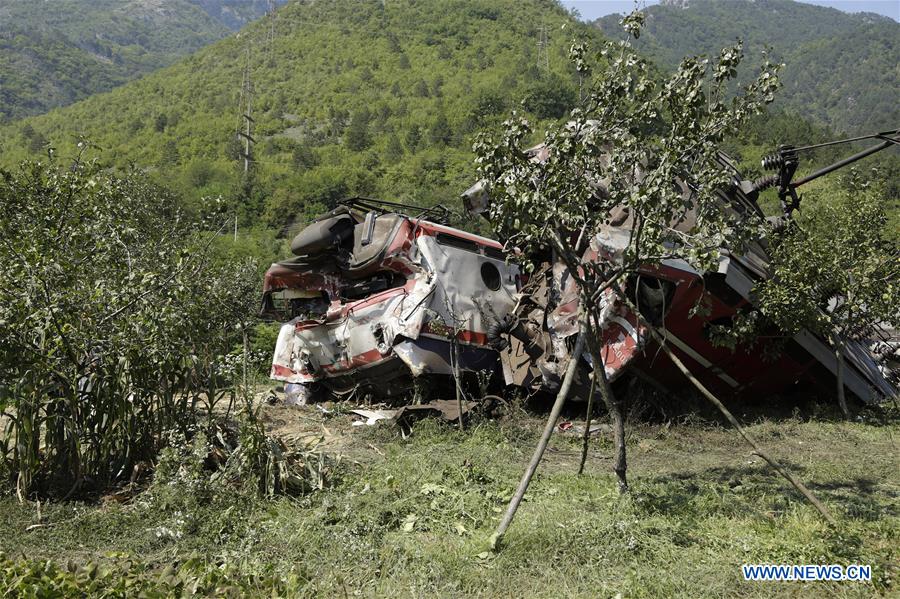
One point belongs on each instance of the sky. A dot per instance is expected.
(594, 9)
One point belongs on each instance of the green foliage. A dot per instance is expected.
(308, 194)
(673, 129)
(124, 577)
(407, 64)
(426, 73)
(840, 69)
(550, 98)
(440, 133)
(834, 270)
(394, 150)
(356, 137)
(699, 508)
(271, 467)
(53, 56)
(488, 103)
(113, 314)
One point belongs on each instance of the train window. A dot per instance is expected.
(457, 242)
(490, 275)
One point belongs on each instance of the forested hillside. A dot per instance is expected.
(55, 52)
(382, 99)
(841, 69)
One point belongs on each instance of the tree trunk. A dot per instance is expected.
(497, 537)
(620, 465)
(586, 438)
(838, 345)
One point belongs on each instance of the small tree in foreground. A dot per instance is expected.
(636, 146)
(835, 273)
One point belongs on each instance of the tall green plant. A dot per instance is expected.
(835, 271)
(112, 317)
(638, 148)
(634, 146)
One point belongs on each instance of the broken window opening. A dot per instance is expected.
(309, 308)
(381, 281)
(288, 304)
(490, 276)
(653, 296)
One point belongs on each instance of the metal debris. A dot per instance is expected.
(373, 417)
(375, 299)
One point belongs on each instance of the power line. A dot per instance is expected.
(543, 55)
(270, 33)
(246, 121)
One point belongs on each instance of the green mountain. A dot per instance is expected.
(55, 52)
(841, 69)
(372, 97)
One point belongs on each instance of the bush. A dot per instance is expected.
(124, 577)
(112, 319)
(550, 98)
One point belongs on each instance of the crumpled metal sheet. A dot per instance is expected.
(445, 298)
(622, 336)
(447, 409)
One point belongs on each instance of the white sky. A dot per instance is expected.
(594, 9)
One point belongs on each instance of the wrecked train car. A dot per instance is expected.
(375, 298)
(668, 297)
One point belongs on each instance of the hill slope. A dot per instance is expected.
(381, 99)
(841, 69)
(55, 52)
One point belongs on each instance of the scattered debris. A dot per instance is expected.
(373, 416)
(295, 395)
(571, 428)
(445, 409)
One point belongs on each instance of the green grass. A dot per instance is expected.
(413, 517)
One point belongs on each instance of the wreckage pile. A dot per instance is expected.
(375, 299)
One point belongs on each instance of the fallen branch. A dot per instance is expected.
(497, 537)
(375, 449)
(757, 450)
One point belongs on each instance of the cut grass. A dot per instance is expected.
(414, 516)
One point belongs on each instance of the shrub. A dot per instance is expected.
(112, 319)
(550, 97)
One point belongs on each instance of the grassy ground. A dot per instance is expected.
(412, 517)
